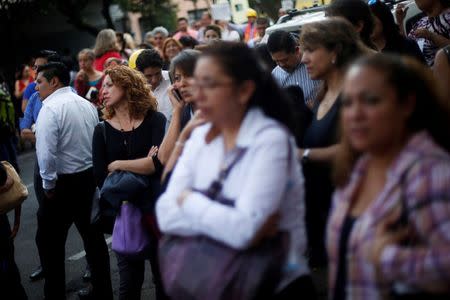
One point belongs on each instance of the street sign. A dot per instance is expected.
(287, 4)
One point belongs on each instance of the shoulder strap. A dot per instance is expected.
(216, 186)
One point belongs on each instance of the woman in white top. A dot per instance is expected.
(245, 111)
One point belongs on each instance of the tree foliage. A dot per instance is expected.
(154, 12)
(267, 7)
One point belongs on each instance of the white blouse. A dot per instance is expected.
(267, 179)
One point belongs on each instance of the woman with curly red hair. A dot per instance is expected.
(131, 129)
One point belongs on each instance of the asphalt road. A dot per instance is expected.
(26, 253)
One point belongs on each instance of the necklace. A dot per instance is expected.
(125, 136)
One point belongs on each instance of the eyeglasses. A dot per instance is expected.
(209, 85)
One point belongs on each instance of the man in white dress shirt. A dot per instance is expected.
(150, 63)
(64, 132)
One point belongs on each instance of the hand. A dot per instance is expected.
(177, 104)
(15, 229)
(197, 120)
(153, 151)
(8, 184)
(385, 236)
(423, 33)
(115, 166)
(183, 196)
(81, 76)
(50, 194)
(400, 13)
(268, 229)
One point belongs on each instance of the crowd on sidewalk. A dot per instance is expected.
(238, 167)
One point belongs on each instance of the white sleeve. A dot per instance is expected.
(169, 215)
(263, 187)
(47, 146)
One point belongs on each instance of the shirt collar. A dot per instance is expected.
(55, 94)
(254, 121)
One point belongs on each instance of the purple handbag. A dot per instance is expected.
(200, 268)
(129, 236)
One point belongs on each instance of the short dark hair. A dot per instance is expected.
(188, 41)
(55, 69)
(149, 58)
(182, 19)
(282, 41)
(49, 55)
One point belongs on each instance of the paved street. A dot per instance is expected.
(27, 255)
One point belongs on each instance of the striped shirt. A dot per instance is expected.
(299, 77)
(421, 176)
(439, 25)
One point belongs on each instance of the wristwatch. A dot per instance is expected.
(305, 156)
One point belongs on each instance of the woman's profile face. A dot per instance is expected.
(318, 61)
(183, 83)
(217, 95)
(373, 118)
(377, 29)
(26, 72)
(112, 94)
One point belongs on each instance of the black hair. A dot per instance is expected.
(355, 11)
(19, 71)
(282, 41)
(188, 41)
(231, 56)
(213, 28)
(182, 19)
(184, 61)
(149, 58)
(50, 55)
(55, 69)
(391, 31)
(145, 46)
(263, 55)
(407, 77)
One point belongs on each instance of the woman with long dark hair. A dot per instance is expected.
(249, 128)
(386, 33)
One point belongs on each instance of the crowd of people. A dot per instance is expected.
(324, 151)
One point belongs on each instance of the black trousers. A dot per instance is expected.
(301, 288)
(10, 285)
(72, 204)
(132, 273)
(39, 192)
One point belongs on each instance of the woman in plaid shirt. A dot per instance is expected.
(389, 229)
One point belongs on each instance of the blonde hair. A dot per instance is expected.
(105, 42)
(129, 41)
(136, 92)
(88, 52)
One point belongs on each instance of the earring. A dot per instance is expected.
(333, 61)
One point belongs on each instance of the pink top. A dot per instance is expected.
(190, 32)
